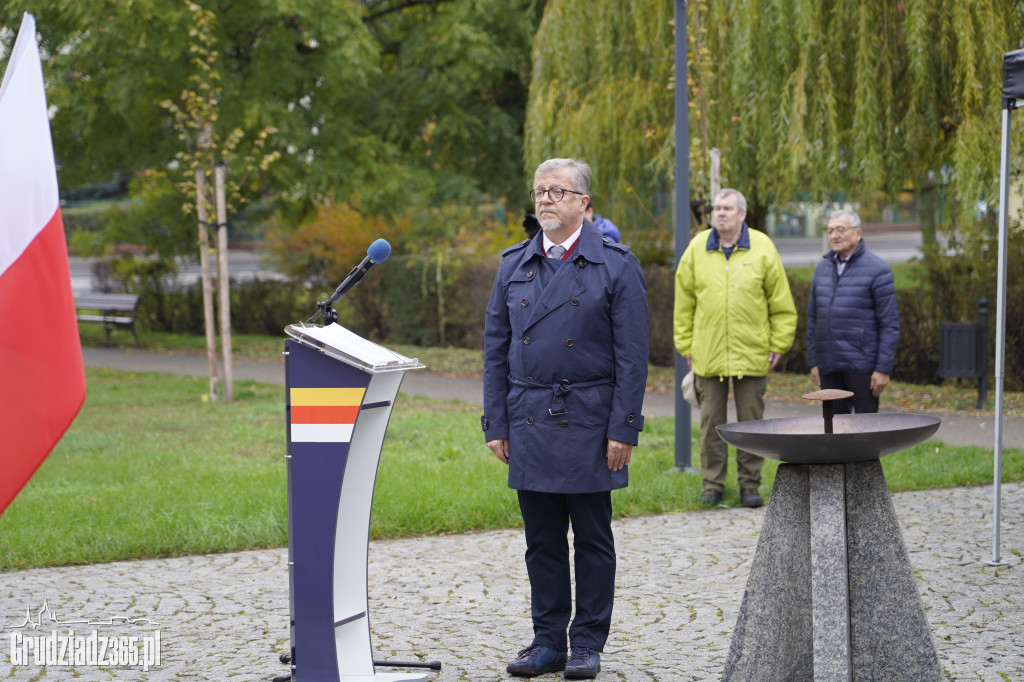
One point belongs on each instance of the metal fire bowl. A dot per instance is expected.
(856, 437)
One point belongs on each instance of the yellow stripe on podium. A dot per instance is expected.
(316, 397)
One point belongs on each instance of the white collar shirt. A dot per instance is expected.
(567, 243)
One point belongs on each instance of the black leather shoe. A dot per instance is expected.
(583, 664)
(536, 659)
(750, 498)
(710, 498)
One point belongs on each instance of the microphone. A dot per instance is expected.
(377, 253)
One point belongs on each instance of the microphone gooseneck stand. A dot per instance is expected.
(325, 313)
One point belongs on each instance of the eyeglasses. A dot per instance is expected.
(556, 193)
(839, 230)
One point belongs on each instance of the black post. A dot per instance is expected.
(682, 206)
(983, 352)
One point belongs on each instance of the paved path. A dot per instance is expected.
(956, 429)
(463, 599)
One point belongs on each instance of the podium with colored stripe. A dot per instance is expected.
(340, 393)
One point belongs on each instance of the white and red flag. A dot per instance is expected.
(42, 380)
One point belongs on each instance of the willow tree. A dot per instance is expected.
(849, 97)
(599, 90)
(820, 97)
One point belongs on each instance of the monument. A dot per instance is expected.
(831, 594)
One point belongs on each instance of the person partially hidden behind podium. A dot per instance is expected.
(565, 365)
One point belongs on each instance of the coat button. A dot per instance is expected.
(582, 263)
(568, 342)
(565, 423)
(527, 340)
(529, 273)
(565, 382)
(525, 302)
(630, 418)
(575, 300)
(529, 420)
(529, 378)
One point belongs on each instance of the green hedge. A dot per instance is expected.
(440, 301)
(423, 301)
(258, 306)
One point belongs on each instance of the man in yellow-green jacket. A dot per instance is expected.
(734, 318)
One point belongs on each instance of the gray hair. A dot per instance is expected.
(741, 201)
(848, 214)
(579, 172)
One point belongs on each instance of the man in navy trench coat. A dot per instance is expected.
(565, 366)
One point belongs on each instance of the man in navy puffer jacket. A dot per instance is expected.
(852, 320)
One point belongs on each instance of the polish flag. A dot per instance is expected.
(42, 380)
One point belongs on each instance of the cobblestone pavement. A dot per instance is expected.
(463, 599)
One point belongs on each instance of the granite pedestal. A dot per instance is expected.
(831, 595)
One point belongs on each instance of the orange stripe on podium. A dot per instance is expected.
(324, 414)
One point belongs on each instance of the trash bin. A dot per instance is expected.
(961, 350)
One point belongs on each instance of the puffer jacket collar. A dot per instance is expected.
(834, 257)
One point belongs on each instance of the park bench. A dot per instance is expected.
(113, 310)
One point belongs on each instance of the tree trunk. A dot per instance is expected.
(927, 210)
(223, 282)
(204, 264)
(716, 172)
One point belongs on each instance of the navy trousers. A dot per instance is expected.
(862, 401)
(546, 517)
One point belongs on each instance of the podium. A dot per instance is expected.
(340, 390)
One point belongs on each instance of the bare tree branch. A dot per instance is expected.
(402, 6)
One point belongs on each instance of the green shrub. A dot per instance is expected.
(440, 300)
(423, 301)
(660, 298)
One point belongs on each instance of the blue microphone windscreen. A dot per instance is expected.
(379, 251)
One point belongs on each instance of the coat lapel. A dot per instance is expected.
(567, 282)
(564, 284)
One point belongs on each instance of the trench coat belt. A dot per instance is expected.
(558, 391)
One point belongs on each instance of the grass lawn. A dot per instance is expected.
(149, 469)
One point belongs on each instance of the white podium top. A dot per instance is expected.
(349, 347)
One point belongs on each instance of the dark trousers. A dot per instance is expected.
(546, 517)
(862, 401)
